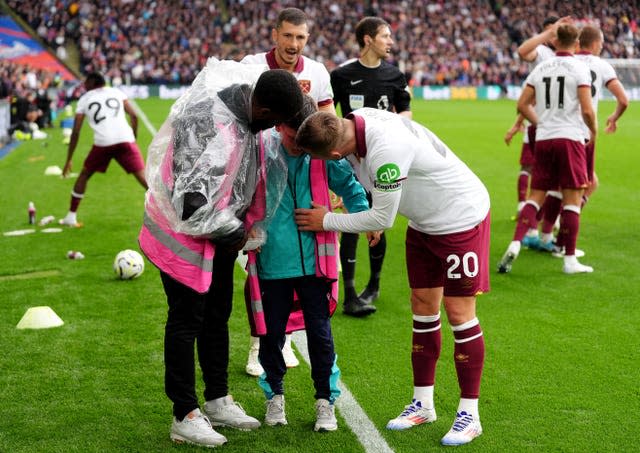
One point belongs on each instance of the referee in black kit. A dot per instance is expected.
(368, 81)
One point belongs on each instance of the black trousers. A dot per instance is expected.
(277, 300)
(198, 320)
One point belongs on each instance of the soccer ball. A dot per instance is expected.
(128, 264)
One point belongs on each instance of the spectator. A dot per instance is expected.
(461, 43)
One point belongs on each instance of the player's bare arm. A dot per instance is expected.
(588, 115)
(73, 143)
(527, 50)
(133, 116)
(517, 127)
(617, 89)
(525, 104)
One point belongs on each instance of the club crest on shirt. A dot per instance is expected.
(388, 178)
(305, 86)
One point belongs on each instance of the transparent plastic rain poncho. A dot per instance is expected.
(204, 164)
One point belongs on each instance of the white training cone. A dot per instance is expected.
(39, 318)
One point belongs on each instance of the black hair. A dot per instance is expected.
(550, 21)
(309, 107)
(368, 27)
(278, 90)
(95, 80)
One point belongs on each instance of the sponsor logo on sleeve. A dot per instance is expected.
(388, 178)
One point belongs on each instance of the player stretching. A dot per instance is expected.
(113, 138)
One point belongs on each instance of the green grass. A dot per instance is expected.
(562, 351)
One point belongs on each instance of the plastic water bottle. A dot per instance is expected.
(75, 255)
(32, 213)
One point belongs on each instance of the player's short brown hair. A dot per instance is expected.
(293, 16)
(588, 35)
(567, 35)
(368, 27)
(320, 132)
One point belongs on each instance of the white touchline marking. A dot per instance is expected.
(143, 117)
(356, 418)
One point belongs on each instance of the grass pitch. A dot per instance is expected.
(561, 371)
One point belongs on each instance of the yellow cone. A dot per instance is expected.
(39, 318)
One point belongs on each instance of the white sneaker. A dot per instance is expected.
(275, 411)
(576, 268)
(289, 356)
(506, 262)
(325, 416)
(558, 252)
(226, 412)
(465, 428)
(70, 222)
(195, 429)
(412, 415)
(253, 367)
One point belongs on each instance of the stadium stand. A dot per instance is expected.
(437, 43)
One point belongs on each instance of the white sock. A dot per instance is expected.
(532, 233)
(470, 406)
(424, 395)
(570, 260)
(71, 217)
(287, 341)
(514, 247)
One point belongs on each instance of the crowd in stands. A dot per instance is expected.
(34, 96)
(456, 42)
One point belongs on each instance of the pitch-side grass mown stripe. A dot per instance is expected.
(29, 275)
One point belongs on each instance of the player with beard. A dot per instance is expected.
(369, 81)
(290, 37)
